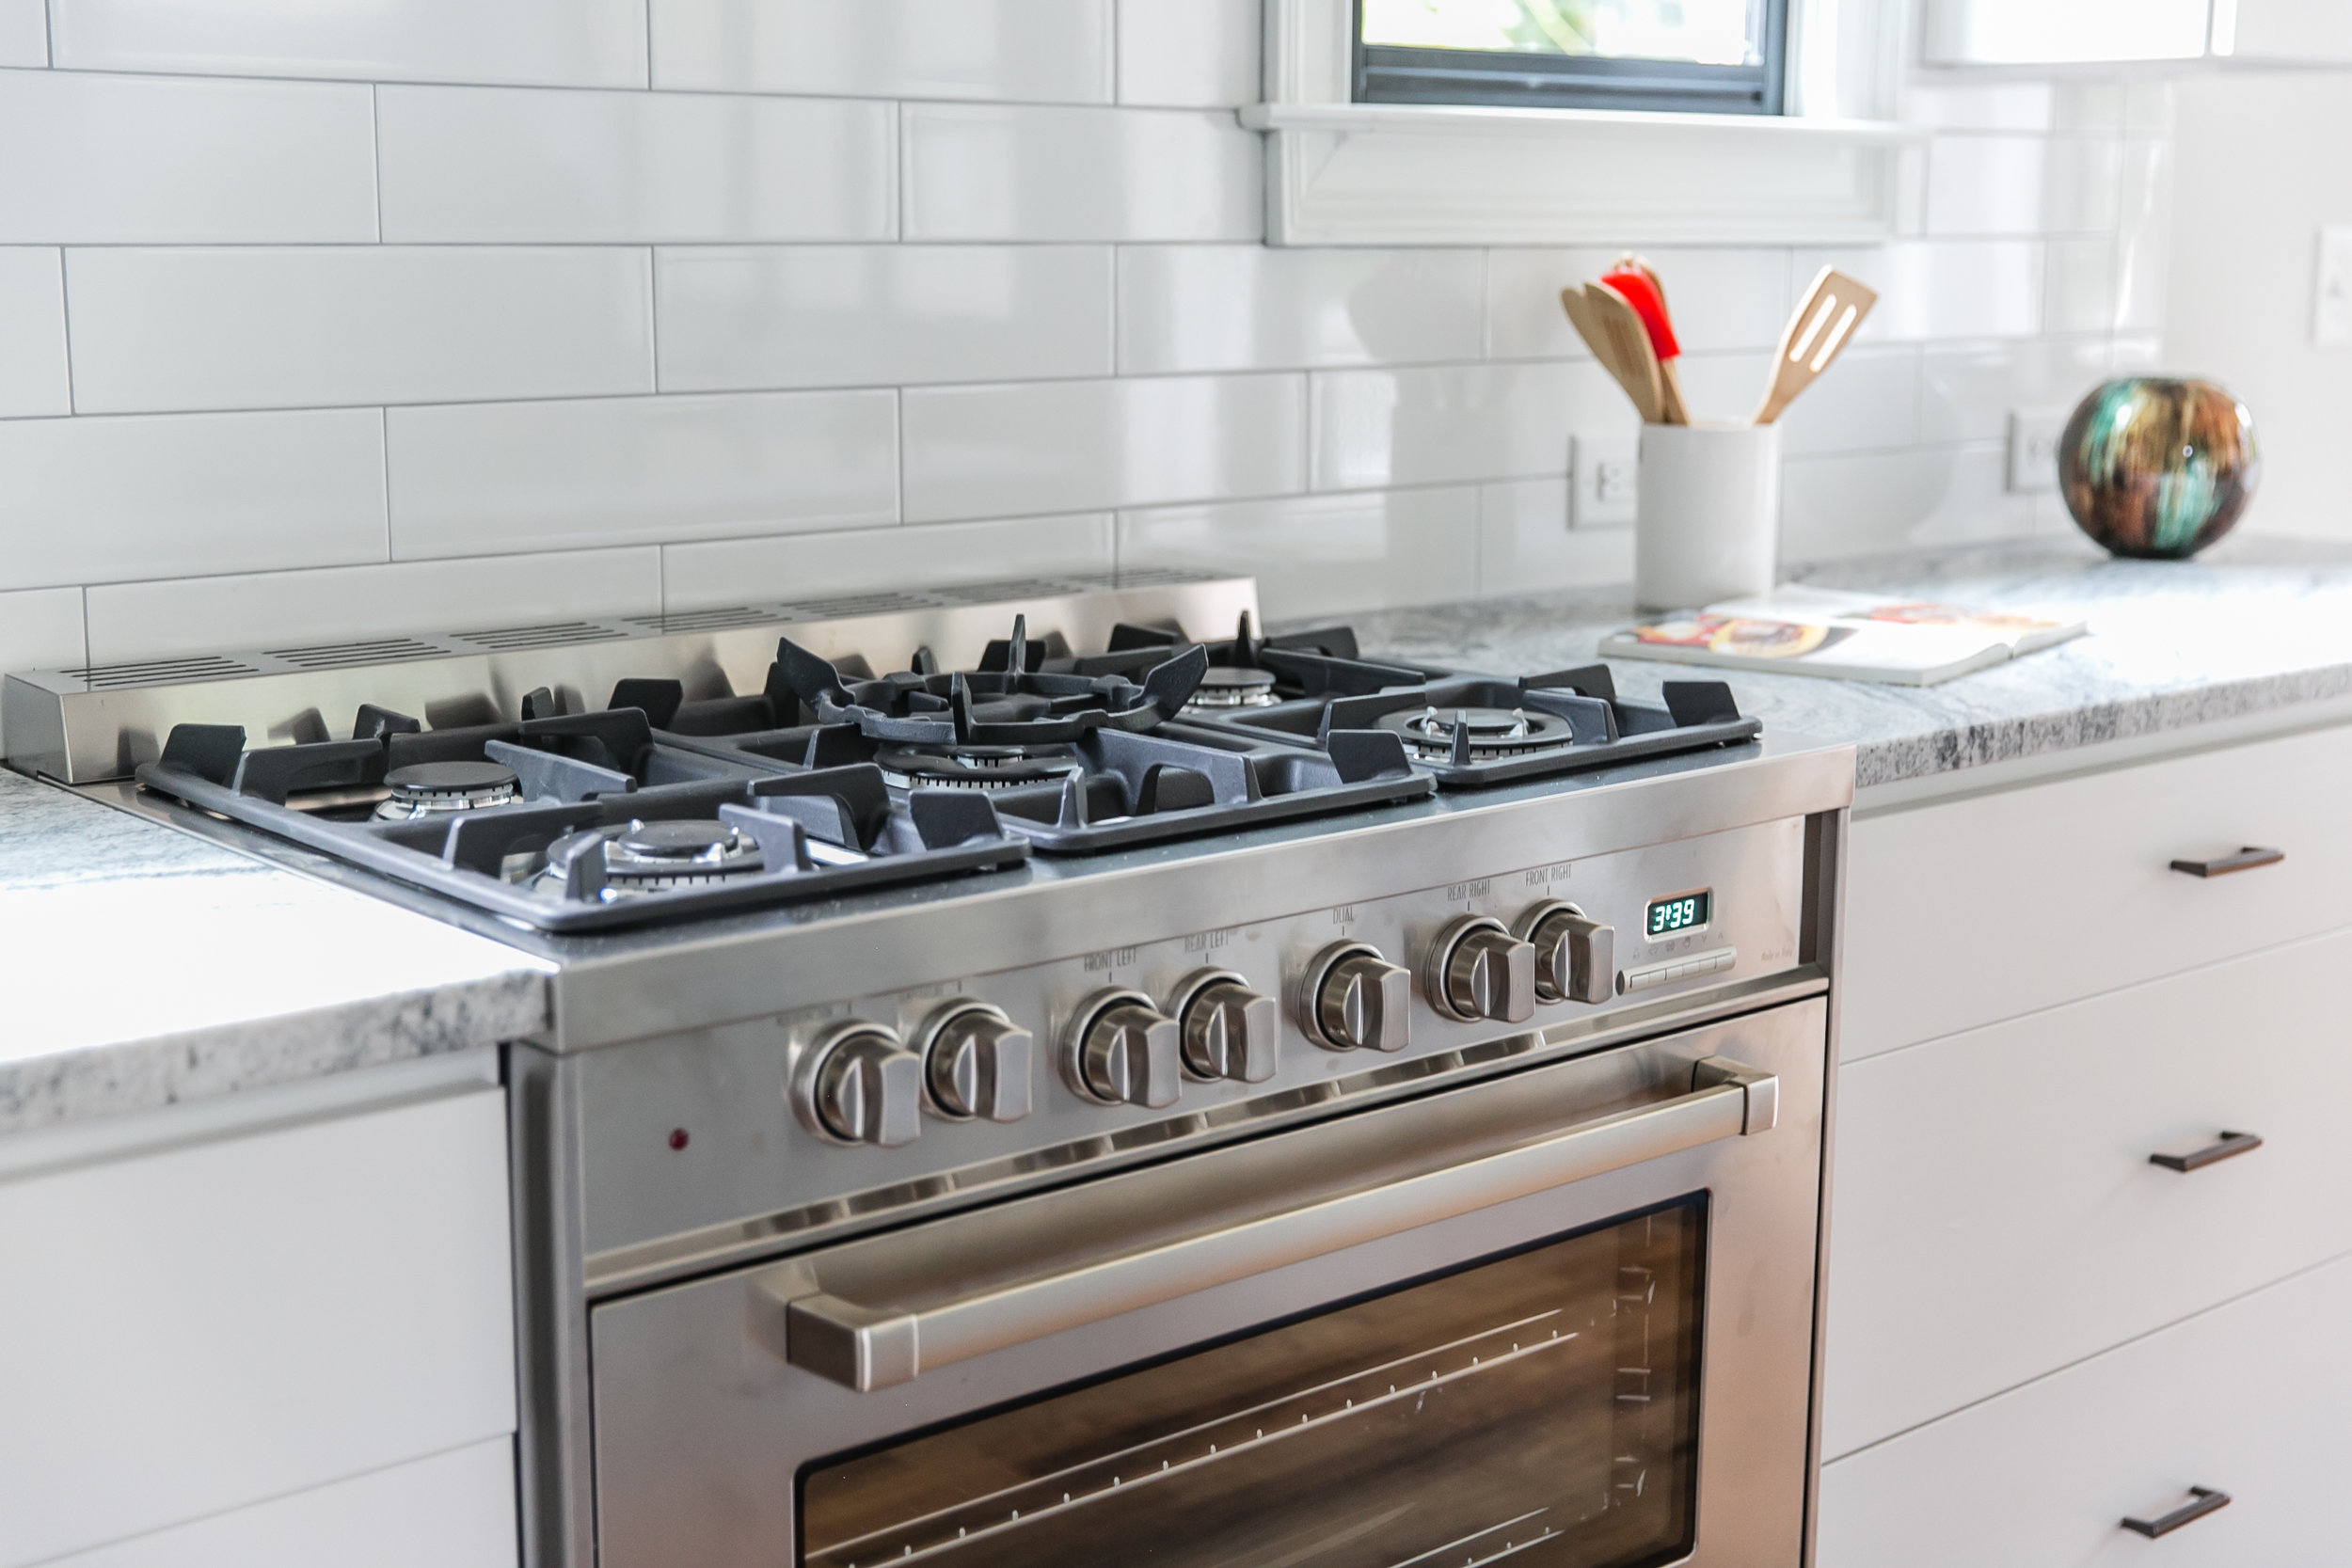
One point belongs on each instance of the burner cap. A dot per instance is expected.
(1494, 731)
(426, 787)
(1226, 686)
(649, 856)
(977, 767)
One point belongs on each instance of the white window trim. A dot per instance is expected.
(1828, 172)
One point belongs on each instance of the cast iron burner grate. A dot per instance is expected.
(1074, 763)
(575, 822)
(1471, 730)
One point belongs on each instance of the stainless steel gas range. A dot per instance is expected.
(1047, 1075)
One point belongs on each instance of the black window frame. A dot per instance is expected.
(1502, 78)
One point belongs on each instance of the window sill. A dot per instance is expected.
(1340, 174)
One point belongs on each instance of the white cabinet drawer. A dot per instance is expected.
(451, 1511)
(1978, 909)
(208, 1326)
(2254, 1399)
(1995, 1215)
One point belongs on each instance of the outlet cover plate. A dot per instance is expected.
(1602, 481)
(2033, 447)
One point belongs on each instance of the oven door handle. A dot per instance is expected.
(865, 1339)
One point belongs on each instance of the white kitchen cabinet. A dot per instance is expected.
(2032, 1331)
(2223, 33)
(204, 1325)
(1980, 909)
(452, 1509)
(2249, 1398)
(1996, 1213)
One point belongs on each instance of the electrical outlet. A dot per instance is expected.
(2331, 311)
(2033, 448)
(1602, 481)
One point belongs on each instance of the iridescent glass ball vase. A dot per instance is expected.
(2157, 470)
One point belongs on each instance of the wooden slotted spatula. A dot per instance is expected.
(1636, 373)
(1818, 331)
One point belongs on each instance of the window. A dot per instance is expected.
(1706, 56)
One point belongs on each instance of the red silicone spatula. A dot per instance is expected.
(1640, 290)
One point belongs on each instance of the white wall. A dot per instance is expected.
(2261, 169)
(331, 321)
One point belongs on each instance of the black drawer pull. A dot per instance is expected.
(2221, 865)
(2230, 1148)
(2204, 1500)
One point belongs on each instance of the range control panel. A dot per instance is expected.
(877, 1091)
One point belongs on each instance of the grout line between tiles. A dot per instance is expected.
(384, 453)
(64, 313)
(375, 156)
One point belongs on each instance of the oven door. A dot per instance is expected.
(1562, 1315)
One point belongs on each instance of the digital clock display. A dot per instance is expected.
(1684, 912)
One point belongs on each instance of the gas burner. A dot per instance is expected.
(657, 857)
(429, 788)
(1224, 687)
(977, 767)
(1493, 732)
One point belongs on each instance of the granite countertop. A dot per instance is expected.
(146, 967)
(2254, 625)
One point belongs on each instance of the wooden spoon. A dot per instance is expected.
(1819, 330)
(1639, 384)
(1629, 338)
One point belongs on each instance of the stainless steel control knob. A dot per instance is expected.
(857, 1083)
(1120, 1050)
(1354, 1000)
(1477, 970)
(1576, 959)
(1226, 1029)
(975, 1062)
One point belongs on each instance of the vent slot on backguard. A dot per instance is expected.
(341, 655)
(558, 634)
(161, 672)
(705, 620)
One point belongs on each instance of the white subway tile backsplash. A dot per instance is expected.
(1525, 544)
(40, 630)
(109, 500)
(2082, 285)
(1234, 307)
(1316, 555)
(1200, 51)
(1720, 299)
(1969, 390)
(714, 575)
(992, 451)
(491, 479)
(32, 333)
(136, 159)
(2135, 356)
(1444, 424)
(1867, 401)
(1938, 289)
(1045, 51)
(526, 164)
(277, 609)
(567, 42)
(2144, 234)
(238, 327)
(24, 33)
(1841, 506)
(989, 172)
(887, 315)
(2022, 185)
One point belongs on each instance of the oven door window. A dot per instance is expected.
(1541, 1408)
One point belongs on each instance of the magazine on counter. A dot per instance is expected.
(1841, 636)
